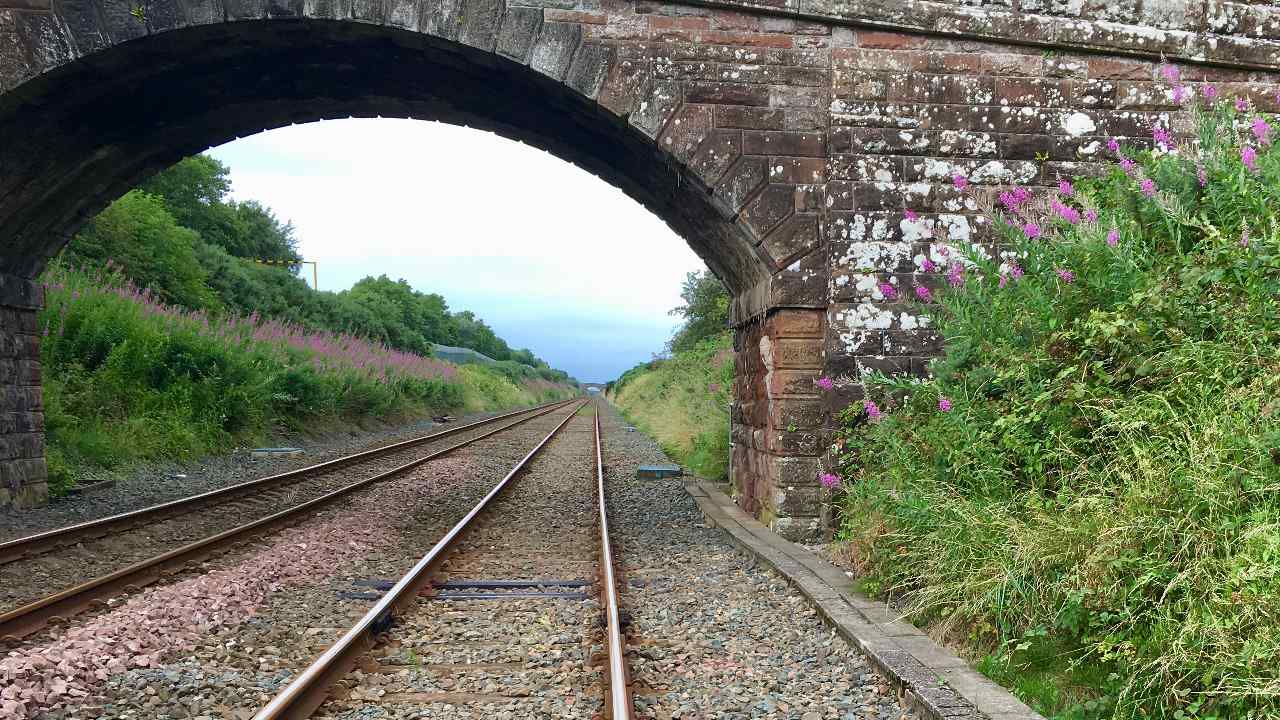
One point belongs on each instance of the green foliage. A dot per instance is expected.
(1098, 514)
(683, 402)
(137, 235)
(705, 311)
(180, 235)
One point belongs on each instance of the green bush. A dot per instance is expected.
(1087, 492)
(683, 402)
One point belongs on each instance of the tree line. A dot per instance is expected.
(182, 236)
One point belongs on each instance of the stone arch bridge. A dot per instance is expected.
(783, 139)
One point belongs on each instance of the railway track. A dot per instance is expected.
(103, 558)
(533, 558)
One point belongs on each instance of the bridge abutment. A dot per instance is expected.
(23, 477)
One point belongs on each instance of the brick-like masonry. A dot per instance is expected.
(783, 139)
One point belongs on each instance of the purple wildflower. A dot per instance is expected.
(1015, 270)
(1210, 92)
(888, 291)
(1004, 280)
(955, 275)
(944, 404)
(1249, 157)
(1179, 93)
(1241, 104)
(960, 181)
(1161, 136)
(1091, 215)
(927, 265)
(1066, 212)
(1065, 187)
(873, 411)
(1261, 130)
(1148, 187)
(923, 293)
(911, 215)
(1127, 165)
(1113, 237)
(1113, 145)
(830, 480)
(1202, 175)
(1031, 230)
(1170, 72)
(825, 383)
(1066, 275)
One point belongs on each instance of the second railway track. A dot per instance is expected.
(107, 556)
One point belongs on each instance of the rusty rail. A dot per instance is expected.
(620, 706)
(40, 543)
(309, 690)
(29, 618)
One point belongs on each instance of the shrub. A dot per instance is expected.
(1087, 490)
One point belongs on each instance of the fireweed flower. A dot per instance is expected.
(1065, 187)
(1203, 176)
(825, 383)
(1148, 187)
(1127, 165)
(1091, 215)
(960, 181)
(927, 265)
(1261, 130)
(1241, 104)
(1015, 270)
(888, 291)
(955, 275)
(944, 404)
(1210, 92)
(911, 215)
(873, 411)
(1004, 280)
(1249, 157)
(1031, 230)
(829, 480)
(923, 293)
(1161, 136)
(1113, 145)
(1066, 275)
(1244, 237)
(1066, 212)
(1179, 93)
(1170, 73)
(1113, 237)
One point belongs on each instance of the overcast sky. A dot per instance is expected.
(552, 257)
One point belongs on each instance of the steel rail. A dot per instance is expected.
(309, 690)
(621, 705)
(22, 621)
(40, 543)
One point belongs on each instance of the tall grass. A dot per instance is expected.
(128, 378)
(683, 402)
(1086, 493)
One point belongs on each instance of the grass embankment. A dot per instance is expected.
(128, 379)
(1087, 494)
(683, 402)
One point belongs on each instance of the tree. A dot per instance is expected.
(705, 310)
(140, 238)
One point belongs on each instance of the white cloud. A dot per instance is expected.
(552, 257)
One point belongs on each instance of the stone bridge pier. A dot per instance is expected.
(784, 140)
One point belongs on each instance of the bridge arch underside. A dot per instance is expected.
(783, 143)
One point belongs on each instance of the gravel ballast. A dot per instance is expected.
(220, 643)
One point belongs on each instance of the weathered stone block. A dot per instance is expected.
(554, 48)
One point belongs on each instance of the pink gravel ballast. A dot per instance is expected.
(172, 617)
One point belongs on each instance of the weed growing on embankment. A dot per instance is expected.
(128, 378)
(1086, 494)
(683, 403)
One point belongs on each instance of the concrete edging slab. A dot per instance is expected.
(935, 682)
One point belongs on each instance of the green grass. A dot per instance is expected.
(129, 380)
(1094, 513)
(682, 402)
